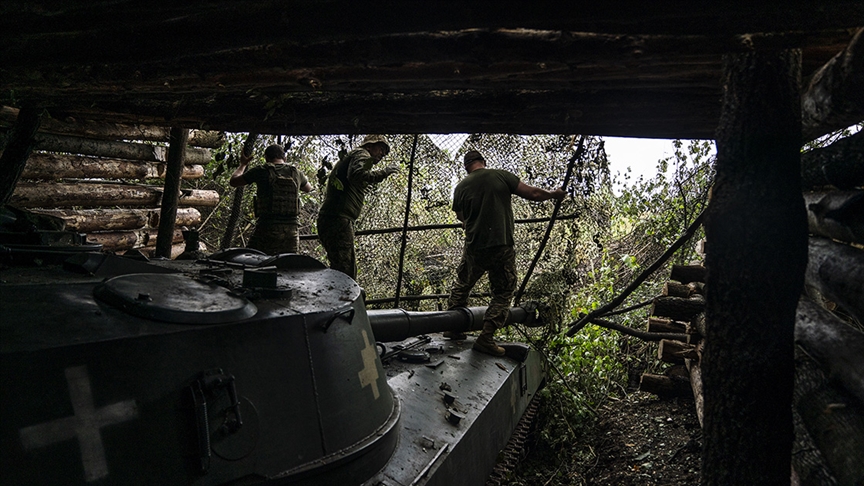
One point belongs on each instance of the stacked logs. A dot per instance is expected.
(81, 171)
(680, 309)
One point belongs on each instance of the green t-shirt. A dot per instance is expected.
(347, 183)
(484, 199)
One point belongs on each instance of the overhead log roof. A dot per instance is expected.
(341, 66)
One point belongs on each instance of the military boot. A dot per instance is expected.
(484, 342)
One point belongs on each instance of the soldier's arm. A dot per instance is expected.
(360, 170)
(533, 193)
(237, 178)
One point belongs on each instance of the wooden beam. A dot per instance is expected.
(836, 214)
(756, 227)
(50, 166)
(115, 149)
(837, 272)
(65, 195)
(840, 164)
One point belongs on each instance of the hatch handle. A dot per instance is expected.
(342, 314)
(210, 384)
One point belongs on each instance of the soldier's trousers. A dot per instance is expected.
(336, 234)
(500, 263)
(275, 237)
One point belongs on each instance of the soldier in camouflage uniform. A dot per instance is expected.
(482, 202)
(276, 201)
(346, 188)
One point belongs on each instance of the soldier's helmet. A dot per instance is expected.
(372, 139)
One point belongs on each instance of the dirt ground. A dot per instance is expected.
(639, 440)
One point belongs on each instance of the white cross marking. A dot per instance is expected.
(369, 374)
(84, 425)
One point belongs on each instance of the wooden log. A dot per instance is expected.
(695, 369)
(675, 289)
(835, 345)
(18, 147)
(151, 236)
(64, 195)
(698, 323)
(190, 217)
(840, 164)
(117, 240)
(833, 100)
(115, 149)
(834, 421)
(199, 198)
(100, 130)
(658, 324)
(90, 220)
(678, 308)
(665, 386)
(688, 273)
(696, 288)
(672, 351)
(836, 214)
(50, 166)
(837, 272)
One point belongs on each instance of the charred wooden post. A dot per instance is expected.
(833, 99)
(840, 164)
(17, 150)
(171, 195)
(837, 272)
(756, 227)
(837, 214)
(688, 273)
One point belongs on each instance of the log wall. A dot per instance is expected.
(98, 177)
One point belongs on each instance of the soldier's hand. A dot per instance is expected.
(559, 194)
(245, 159)
(392, 168)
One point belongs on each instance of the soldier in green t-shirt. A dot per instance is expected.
(276, 201)
(346, 190)
(482, 201)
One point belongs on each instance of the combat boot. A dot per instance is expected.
(484, 342)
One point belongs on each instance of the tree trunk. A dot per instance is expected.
(837, 272)
(171, 196)
(836, 214)
(677, 308)
(835, 345)
(64, 195)
(833, 99)
(688, 273)
(757, 233)
(114, 149)
(18, 148)
(48, 166)
(695, 370)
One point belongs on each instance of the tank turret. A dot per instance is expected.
(241, 368)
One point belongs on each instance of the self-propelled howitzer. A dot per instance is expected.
(241, 369)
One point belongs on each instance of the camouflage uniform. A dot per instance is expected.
(346, 188)
(500, 262)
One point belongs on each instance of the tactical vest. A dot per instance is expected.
(281, 200)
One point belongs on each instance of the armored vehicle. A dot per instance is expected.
(241, 368)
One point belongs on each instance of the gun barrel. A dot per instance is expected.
(390, 325)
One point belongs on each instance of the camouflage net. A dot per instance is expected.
(433, 240)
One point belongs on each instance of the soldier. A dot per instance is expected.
(483, 204)
(346, 188)
(277, 204)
